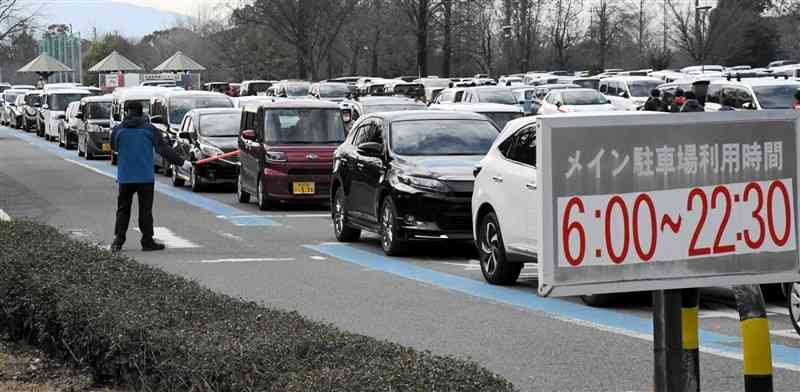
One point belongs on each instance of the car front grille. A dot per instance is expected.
(455, 221)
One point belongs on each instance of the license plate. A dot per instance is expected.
(303, 188)
(106, 147)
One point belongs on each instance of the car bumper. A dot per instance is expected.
(218, 172)
(95, 142)
(426, 215)
(280, 183)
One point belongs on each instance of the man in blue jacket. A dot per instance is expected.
(134, 140)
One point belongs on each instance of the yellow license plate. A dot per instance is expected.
(303, 188)
(106, 147)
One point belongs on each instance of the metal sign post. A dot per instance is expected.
(642, 202)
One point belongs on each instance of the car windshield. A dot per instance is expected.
(583, 98)
(180, 106)
(296, 90)
(776, 97)
(256, 88)
(442, 137)
(59, 102)
(394, 107)
(303, 126)
(220, 124)
(10, 97)
(500, 95)
(589, 83)
(501, 118)
(333, 90)
(33, 99)
(642, 88)
(98, 110)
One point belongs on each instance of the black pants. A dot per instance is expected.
(124, 201)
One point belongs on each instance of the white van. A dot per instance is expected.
(628, 92)
(56, 101)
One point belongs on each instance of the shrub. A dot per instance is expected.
(134, 325)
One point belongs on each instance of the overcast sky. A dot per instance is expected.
(186, 7)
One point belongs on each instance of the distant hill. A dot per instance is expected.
(104, 15)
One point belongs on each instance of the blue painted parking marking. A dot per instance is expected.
(213, 206)
(604, 319)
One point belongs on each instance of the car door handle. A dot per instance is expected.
(531, 186)
(497, 179)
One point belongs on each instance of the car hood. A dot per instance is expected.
(590, 108)
(453, 168)
(226, 144)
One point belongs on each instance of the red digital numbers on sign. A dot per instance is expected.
(676, 224)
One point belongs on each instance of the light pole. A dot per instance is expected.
(698, 23)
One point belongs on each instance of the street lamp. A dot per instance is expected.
(698, 9)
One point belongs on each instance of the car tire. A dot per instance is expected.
(264, 203)
(390, 232)
(598, 300)
(177, 181)
(114, 159)
(195, 181)
(89, 156)
(167, 169)
(343, 232)
(492, 252)
(241, 195)
(794, 306)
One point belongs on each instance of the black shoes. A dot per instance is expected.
(152, 245)
(116, 246)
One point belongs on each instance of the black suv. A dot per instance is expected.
(408, 175)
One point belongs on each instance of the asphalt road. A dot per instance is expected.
(434, 299)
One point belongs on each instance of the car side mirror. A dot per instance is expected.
(79, 116)
(624, 94)
(371, 149)
(156, 119)
(748, 106)
(558, 104)
(249, 135)
(185, 135)
(608, 101)
(61, 117)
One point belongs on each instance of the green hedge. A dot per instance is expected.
(134, 325)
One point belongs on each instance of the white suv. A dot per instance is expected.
(504, 216)
(752, 94)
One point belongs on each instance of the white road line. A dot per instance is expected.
(318, 258)
(250, 260)
(733, 315)
(170, 239)
(786, 333)
(85, 166)
(276, 216)
(4, 217)
(232, 236)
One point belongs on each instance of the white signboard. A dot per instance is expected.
(646, 202)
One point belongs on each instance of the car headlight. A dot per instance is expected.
(95, 129)
(210, 151)
(423, 183)
(276, 156)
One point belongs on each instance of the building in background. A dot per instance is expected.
(60, 43)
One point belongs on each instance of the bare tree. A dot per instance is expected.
(420, 13)
(565, 28)
(310, 26)
(15, 17)
(606, 26)
(706, 39)
(526, 18)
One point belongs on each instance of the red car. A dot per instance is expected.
(286, 151)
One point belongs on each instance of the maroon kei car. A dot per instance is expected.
(286, 151)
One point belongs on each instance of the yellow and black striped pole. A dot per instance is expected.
(690, 304)
(755, 338)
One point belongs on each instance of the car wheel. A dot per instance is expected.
(264, 203)
(794, 306)
(195, 181)
(177, 181)
(343, 232)
(114, 159)
(598, 300)
(494, 265)
(89, 156)
(166, 168)
(241, 194)
(390, 232)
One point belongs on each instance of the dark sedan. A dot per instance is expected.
(205, 133)
(408, 176)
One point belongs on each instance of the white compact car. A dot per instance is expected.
(504, 203)
(56, 102)
(578, 100)
(628, 92)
